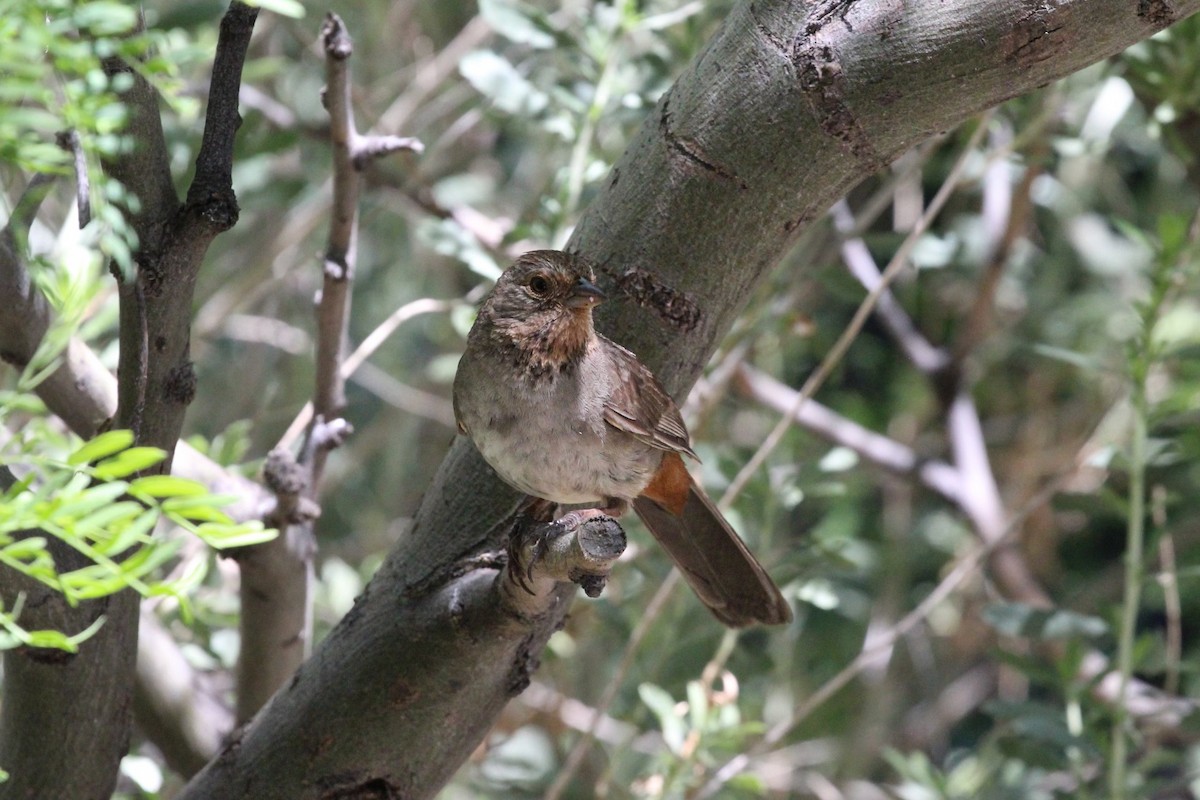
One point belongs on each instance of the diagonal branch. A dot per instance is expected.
(875, 448)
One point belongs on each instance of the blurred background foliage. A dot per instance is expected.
(523, 107)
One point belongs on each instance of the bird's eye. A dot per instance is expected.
(539, 285)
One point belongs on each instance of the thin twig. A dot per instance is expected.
(70, 141)
(880, 450)
(1168, 579)
(838, 351)
(858, 259)
(966, 567)
(979, 319)
(369, 345)
(583, 743)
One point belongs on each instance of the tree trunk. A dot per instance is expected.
(789, 106)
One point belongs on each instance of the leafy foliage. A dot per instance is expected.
(95, 504)
(58, 97)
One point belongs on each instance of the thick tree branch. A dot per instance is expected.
(685, 227)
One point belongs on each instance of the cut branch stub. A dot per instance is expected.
(573, 549)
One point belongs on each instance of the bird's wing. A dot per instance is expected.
(641, 407)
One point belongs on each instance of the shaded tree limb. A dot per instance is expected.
(179, 709)
(684, 228)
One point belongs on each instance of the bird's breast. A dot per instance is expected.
(548, 437)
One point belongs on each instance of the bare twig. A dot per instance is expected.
(927, 358)
(880, 450)
(277, 576)
(1011, 222)
(369, 345)
(838, 351)
(70, 142)
(1168, 579)
(351, 151)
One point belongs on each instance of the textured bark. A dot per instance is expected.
(788, 107)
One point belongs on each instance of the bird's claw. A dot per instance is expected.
(521, 569)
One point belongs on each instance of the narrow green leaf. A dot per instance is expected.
(128, 462)
(166, 486)
(106, 444)
(31, 547)
(241, 535)
(86, 502)
(136, 531)
(49, 638)
(180, 511)
(99, 524)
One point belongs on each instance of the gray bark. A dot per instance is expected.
(789, 106)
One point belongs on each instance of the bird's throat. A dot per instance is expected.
(546, 346)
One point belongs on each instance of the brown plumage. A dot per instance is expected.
(566, 415)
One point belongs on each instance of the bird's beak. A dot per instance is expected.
(585, 294)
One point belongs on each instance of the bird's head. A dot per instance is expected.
(543, 303)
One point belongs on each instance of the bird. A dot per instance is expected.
(569, 417)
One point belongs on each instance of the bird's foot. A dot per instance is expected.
(532, 536)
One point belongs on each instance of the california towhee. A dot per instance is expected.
(563, 414)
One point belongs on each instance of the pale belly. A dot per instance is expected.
(582, 468)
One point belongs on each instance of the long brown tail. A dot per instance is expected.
(712, 557)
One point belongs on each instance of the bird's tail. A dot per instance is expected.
(712, 557)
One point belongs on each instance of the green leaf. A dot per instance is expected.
(106, 444)
(128, 462)
(26, 549)
(136, 531)
(87, 501)
(166, 486)
(516, 23)
(105, 18)
(660, 702)
(48, 638)
(241, 535)
(180, 509)
(495, 78)
(115, 515)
